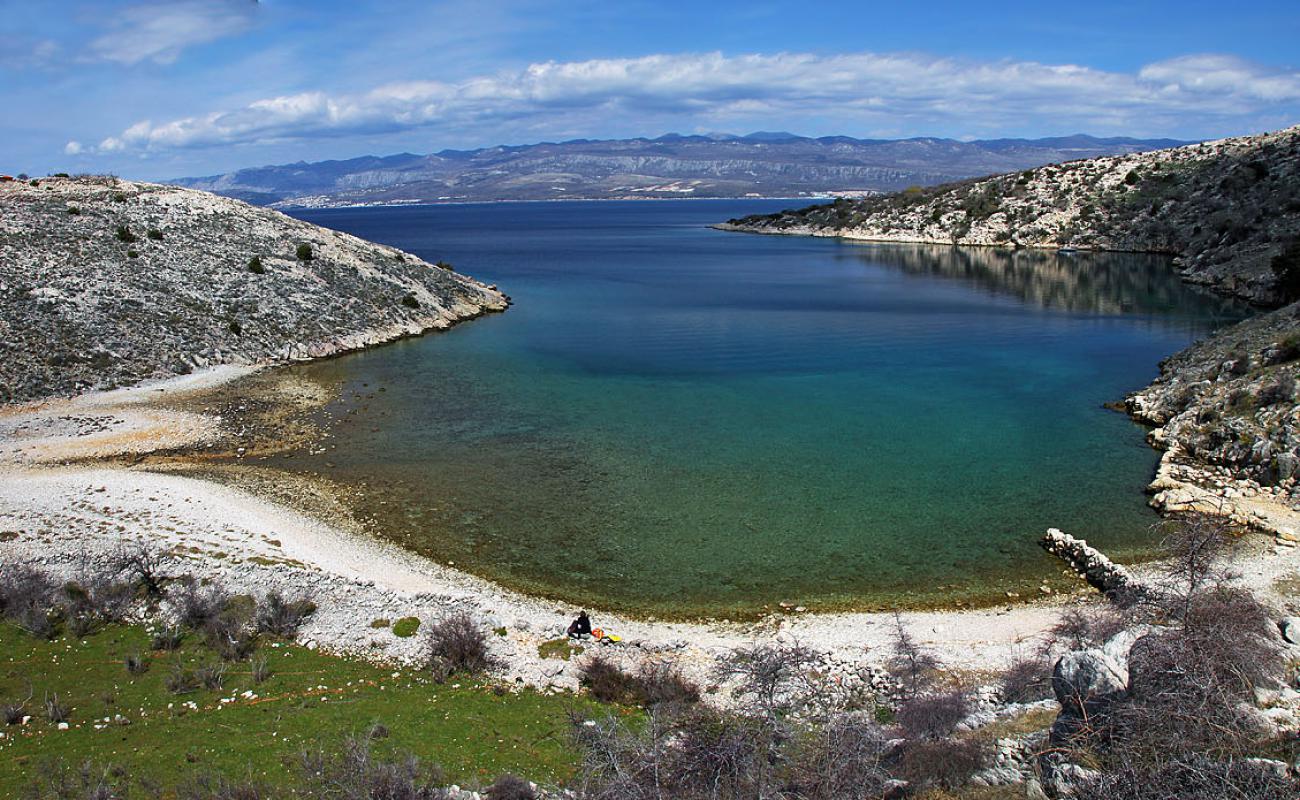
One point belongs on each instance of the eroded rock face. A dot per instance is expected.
(105, 282)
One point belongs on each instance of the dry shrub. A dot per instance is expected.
(912, 666)
(607, 682)
(197, 605)
(55, 780)
(219, 787)
(772, 680)
(1026, 680)
(842, 759)
(352, 772)
(945, 763)
(211, 676)
(93, 602)
(167, 639)
(144, 567)
(656, 683)
(1081, 628)
(458, 643)
(1191, 779)
(510, 787)
(27, 598)
(232, 632)
(180, 680)
(282, 618)
(662, 684)
(932, 716)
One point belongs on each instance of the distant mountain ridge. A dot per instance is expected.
(760, 164)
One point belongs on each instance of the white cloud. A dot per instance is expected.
(160, 30)
(860, 90)
(72, 148)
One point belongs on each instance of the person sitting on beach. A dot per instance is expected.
(580, 628)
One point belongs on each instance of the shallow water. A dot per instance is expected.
(678, 420)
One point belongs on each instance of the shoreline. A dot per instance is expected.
(69, 497)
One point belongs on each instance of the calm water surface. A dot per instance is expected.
(679, 420)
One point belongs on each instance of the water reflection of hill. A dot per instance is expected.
(1102, 283)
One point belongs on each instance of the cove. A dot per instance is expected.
(678, 421)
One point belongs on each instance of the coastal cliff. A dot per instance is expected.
(1224, 209)
(106, 282)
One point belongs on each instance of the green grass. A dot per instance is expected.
(558, 648)
(406, 627)
(473, 729)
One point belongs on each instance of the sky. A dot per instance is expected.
(156, 89)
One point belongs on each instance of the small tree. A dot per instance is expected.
(304, 252)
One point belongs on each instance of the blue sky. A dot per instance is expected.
(154, 89)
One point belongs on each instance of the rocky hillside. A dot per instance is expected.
(105, 282)
(719, 165)
(1224, 208)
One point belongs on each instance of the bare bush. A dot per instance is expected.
(211, 676)
(510, 787)
(144, 567)
(772, 680)
(55, 710)
(232, 632)
(932, 716)
(55, 780)
(167, 639)
(282, 618)
(196, 605)
(842, 759)
(219, 787)
(458, 643)
(351, 771)
(945, 763)
(13, 713)
(181, 680)
(911, 665)
(27, 599)
(661, 684)
(260, 669)
(93, 602)
(608, 682)
(1026, 680)
(1190, 779)
(135, 664)
(1081, 628)
(1196, 547)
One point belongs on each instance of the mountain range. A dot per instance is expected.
(761, 164)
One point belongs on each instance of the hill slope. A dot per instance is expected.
(765, 164)
(1225, 208)
(106, 282)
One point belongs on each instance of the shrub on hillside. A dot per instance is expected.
(932, 716)
(282, 618)
(458, 643)
(124, 234)
(353, 772)
(510, 787)
(304, 252)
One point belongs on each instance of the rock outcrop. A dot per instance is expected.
(1102, 574)
(105, 282)
(1224, 208)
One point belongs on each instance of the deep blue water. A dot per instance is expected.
(682, 420)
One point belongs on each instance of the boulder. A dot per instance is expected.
(1086, 681)
(1290, 629)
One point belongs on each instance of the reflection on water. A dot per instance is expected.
(1079, 281)
(686, 421)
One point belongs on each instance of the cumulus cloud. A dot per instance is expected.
(72, 148)
(858, 90)
(159, 31)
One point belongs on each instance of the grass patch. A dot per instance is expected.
(406, 627)
(559, 648)
(472, 729)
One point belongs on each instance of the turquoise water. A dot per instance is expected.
(678, 420)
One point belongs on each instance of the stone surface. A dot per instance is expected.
(105, 283)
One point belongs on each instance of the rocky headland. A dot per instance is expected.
(1225, 209)
(106, 282)
(1224, 410)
